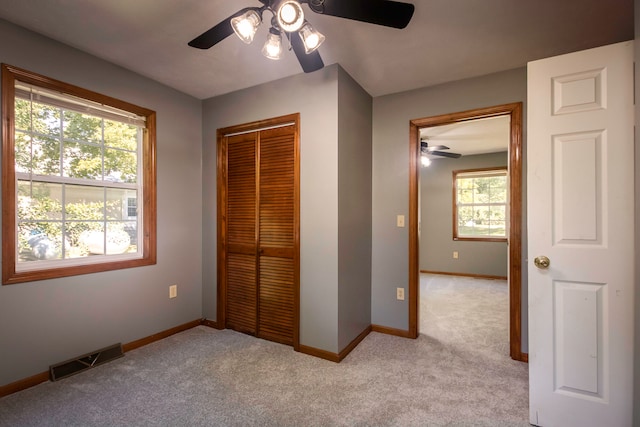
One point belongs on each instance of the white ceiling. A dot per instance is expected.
(479, 136)
(447, 40)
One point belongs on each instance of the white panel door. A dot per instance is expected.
(580, 217)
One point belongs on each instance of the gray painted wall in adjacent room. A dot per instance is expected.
(45, 322)
(391, 116)
(315, 97)
(354, 209)
(436, 232)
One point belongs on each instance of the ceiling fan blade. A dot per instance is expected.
(218, 33)
(213, 36)
(446, 154)
(309, 62)
(381, 12)
(424, 146)
(437, 147)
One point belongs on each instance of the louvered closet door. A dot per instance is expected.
(241, 295)
(276, 215)
(260, 245)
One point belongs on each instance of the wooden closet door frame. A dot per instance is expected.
(222, 134)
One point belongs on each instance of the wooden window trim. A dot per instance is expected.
(455, 174)
(12, 74)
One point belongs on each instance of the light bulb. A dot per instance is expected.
(425, 161)
(290, 15)
(311, 38)
(246, 25)
(272, 48)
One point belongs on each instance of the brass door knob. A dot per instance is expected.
(542, 261)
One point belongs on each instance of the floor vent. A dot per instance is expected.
(84, 362)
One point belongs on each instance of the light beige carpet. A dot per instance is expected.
(205, 377)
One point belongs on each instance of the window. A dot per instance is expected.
(79, 185)
(480, 204)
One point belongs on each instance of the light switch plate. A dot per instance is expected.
(400, 220)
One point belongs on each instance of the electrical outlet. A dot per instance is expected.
(455, 254)
(173, 291)
(400, 294)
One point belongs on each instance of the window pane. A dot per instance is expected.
(117, 203)
(82, 127)
(90, 239)
(84, 203)
(82, 161)
(131, 227)
(46, 120)
(79, 234)
(498, 195)
(46, 156)
(465, 183)
(465, 215)
(39, 201)
(480, 214)
(22, 114)
(120, 166)
(481, 195)
(120, 135)
(465, 196)
(118, 239)
(39, 241)
(23, 152)
(498, 213)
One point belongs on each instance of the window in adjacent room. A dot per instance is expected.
(78, 187)
(480, 204)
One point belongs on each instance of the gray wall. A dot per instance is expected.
(636, 406)
(436, 231)
(391, 116)
(335, 196)
(315, 97)
(45, 322)
(354, 209)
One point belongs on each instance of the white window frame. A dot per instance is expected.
(480, 173)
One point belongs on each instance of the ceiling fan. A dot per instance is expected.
(288, 18)
(436, 150)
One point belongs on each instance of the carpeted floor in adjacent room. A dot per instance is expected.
(457, 373)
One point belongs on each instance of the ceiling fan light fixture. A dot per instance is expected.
(246, 25)
(272, 48)
(290, 15)
(311, 38)
(425, 161)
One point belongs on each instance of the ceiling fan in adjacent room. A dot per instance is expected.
(434, 150)
(288, 18)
